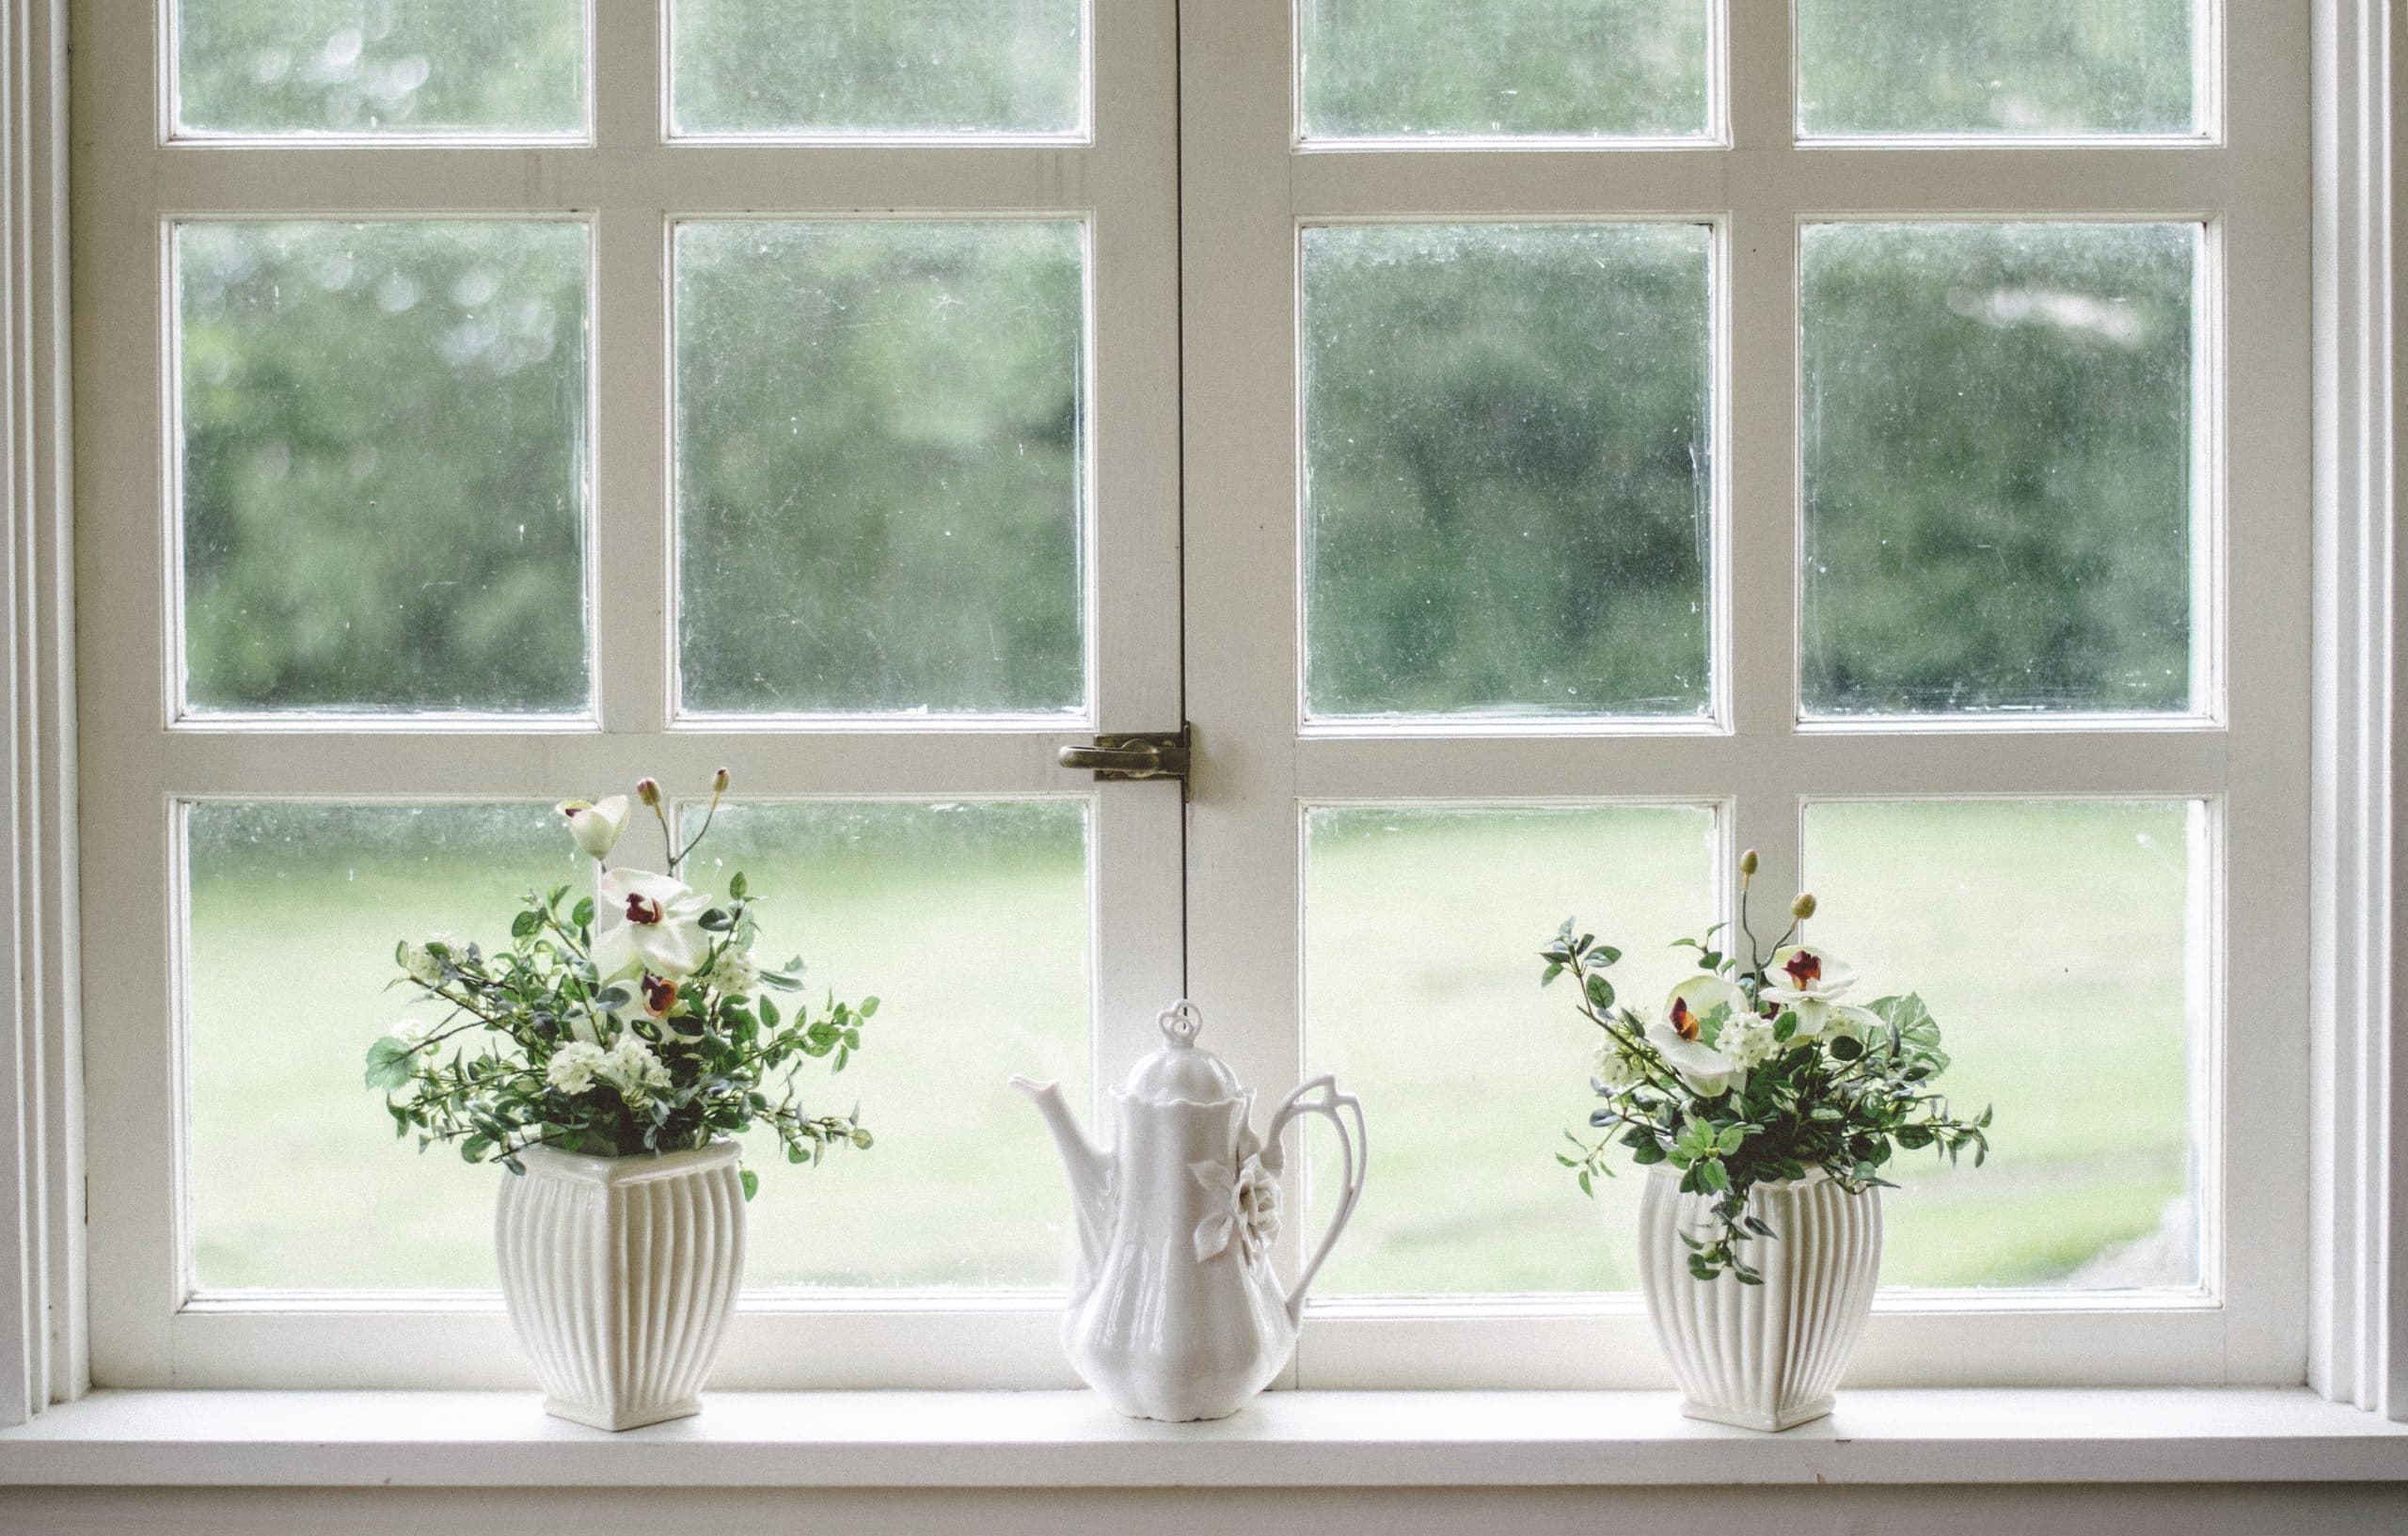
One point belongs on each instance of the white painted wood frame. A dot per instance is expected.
(1250, 187)
(2356, 1284)
(627, 184)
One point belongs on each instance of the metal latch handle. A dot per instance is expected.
(1119, 757)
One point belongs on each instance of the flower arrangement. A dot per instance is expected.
(1758, 1070)
(635, 1020)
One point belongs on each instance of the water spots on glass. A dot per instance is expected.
(372, 67)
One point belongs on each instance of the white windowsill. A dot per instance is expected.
(1287, 1439)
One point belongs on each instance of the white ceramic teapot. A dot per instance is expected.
(1175, 1311)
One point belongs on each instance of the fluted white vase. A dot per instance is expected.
(1762, 1356)
(621, 1273)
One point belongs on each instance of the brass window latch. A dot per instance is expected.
(1119, 758)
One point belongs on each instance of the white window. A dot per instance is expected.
(1541, 450)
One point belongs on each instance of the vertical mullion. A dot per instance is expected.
(1238, 295)
(1130, 525)
(1758, 533)
(631, 607)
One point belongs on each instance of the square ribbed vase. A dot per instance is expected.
(1762, 1356)
(621, 1273)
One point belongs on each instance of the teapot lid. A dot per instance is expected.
(1180, 1071)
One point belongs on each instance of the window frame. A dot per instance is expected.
(1252, 185)
(2353, 877)
(632, 185)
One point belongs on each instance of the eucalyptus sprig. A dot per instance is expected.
(635, 1020)
(1758, 1071)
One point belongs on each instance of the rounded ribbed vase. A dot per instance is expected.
(1762, 1356)
(621, 1273)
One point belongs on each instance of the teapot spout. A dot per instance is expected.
(1089, 1168)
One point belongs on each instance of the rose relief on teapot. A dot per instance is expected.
(1175, 1310)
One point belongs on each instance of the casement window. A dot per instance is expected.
(1541, 450)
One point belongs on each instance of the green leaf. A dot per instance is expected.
(735, 886)
(870, 1006)
(390, 1063)
(769, 1011)
(526, 923)
(1601, 992)
(581, 916)
(1733, 1138)
(750, 1181)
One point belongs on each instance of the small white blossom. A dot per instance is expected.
(422, 964)
(1615, 1070)
(413, 1031)
(571, 1067)
(735, 973)
(1748, 1040)
(632, 1068)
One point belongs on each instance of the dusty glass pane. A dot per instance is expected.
(297, 1180)
(1508, 501)
(384, 478)
(969, 921)
(1393, 69)
(1996, 431)
(2009, 69)
(879, 442)
(346, 67)
(1423, 927)
(2053, 941)
(872, 66)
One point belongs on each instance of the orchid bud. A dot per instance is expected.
(1748, 862)
(648, 791)
(596, 825)
(1803, 908)
(718, 782)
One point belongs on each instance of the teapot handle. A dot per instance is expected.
(1321, 1097)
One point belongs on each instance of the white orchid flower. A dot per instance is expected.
(1707, 1071)
(1694, 999)
(647, 922)
(1811, 982)
(596, 824)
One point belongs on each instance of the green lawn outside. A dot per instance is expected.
(2049, 938)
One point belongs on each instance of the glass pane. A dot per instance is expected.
(872, 66)
(1508, 498)
(1485, 69)
(969, 922)
(384, 465)
(2007, 68)
(880, 436)
(1996, 426)
(296, 1178)
(372, 66)
(1423, 927)
(2055, 942)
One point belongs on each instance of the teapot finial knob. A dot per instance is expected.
(1181, 1023)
